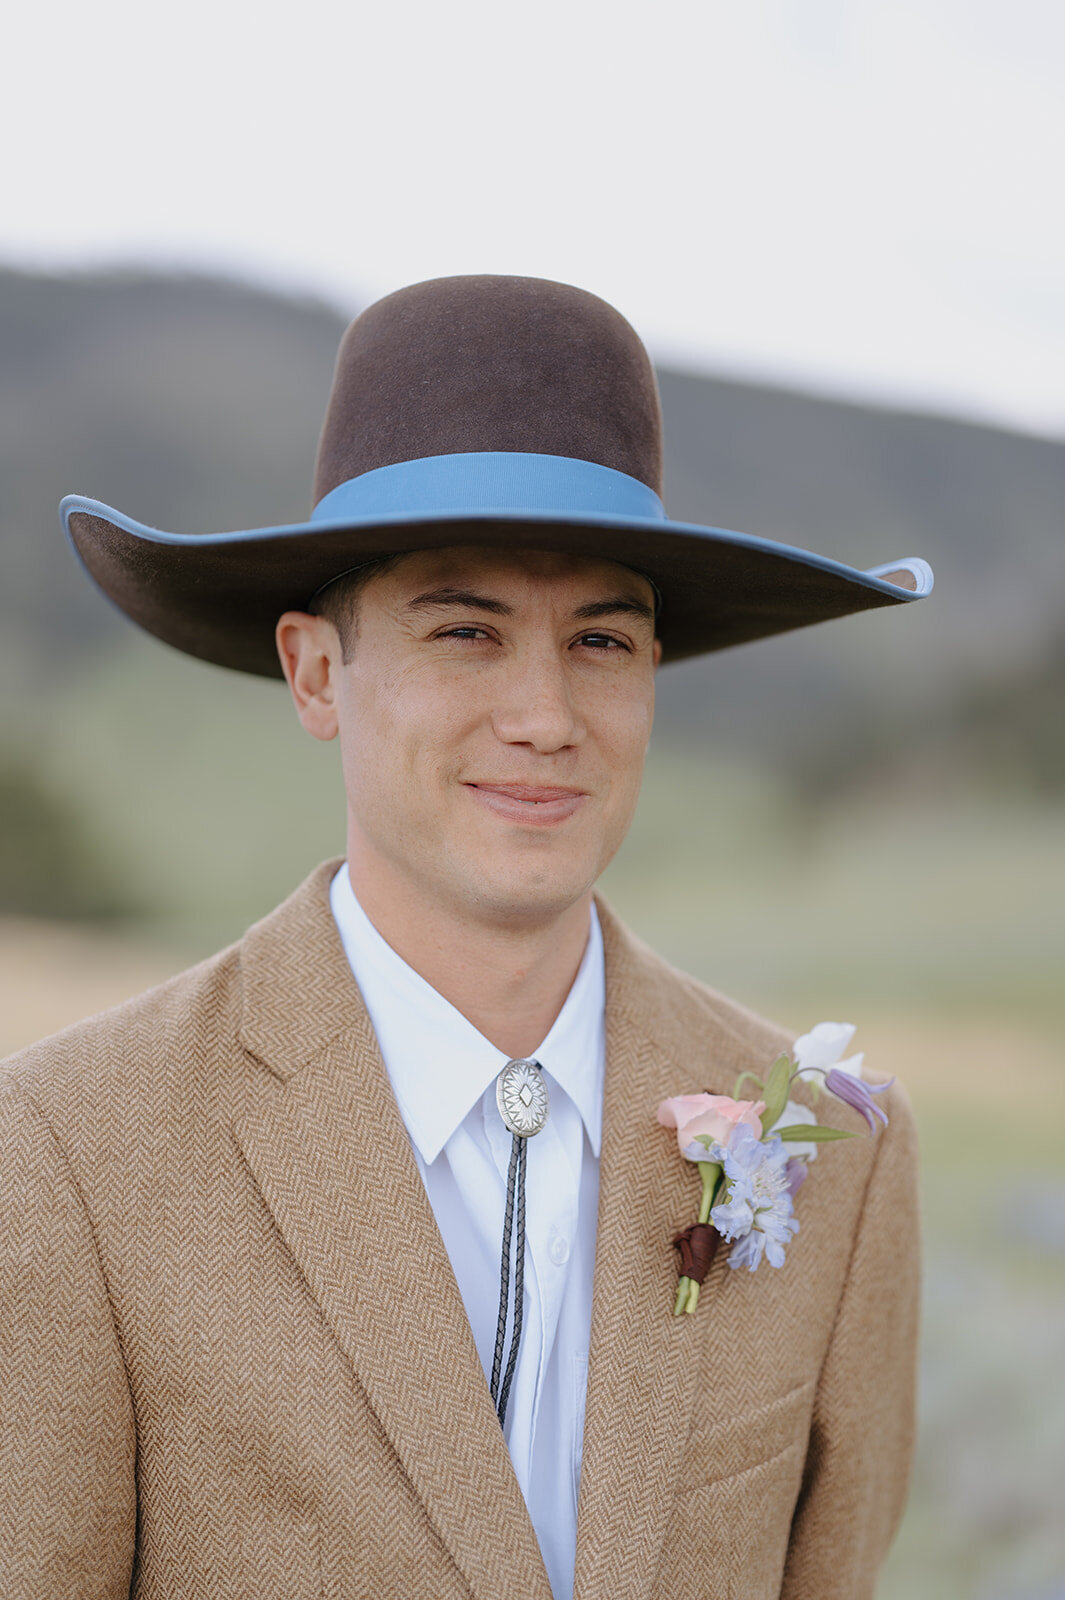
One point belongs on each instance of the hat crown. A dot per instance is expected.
(484, 364)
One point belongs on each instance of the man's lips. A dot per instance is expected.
(536, 803)
(536, 794)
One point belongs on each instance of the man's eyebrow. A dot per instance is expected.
(468, 598)
(616, 603)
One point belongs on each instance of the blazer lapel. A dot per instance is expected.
(643, 1360)
(324, 1140)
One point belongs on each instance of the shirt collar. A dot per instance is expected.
(438, 1063)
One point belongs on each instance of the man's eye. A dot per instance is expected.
(602, 641)
(469, 632)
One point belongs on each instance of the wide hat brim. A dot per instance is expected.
(218, 596)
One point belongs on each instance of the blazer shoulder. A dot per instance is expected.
(172, 1057)
(757, 1042)
(120, 1052)
(703, 1006)
(676, 1005)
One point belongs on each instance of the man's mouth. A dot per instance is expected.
(536, 803)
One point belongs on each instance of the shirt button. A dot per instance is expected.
(559, 1250)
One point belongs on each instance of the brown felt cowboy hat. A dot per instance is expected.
(477, 411)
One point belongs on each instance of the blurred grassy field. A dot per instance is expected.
(933, 920)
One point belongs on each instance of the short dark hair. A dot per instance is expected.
(338, 600)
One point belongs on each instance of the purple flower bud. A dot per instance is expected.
(853, 1092)
(795, 1175)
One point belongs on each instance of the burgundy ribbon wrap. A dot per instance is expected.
(697, 1246)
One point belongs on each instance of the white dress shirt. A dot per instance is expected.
(443, 1074)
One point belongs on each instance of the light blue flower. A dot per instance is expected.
(756, 1215)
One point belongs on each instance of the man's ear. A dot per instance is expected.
(656, 654)
(309, 648)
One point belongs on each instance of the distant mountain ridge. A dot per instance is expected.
(194, 404)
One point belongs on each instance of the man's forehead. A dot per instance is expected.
(475, 566)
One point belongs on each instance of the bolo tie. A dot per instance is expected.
(521, 1095)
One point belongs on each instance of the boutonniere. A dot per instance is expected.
(752, 1155)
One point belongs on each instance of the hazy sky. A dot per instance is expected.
(859, 195)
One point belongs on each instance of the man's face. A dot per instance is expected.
(493, 719)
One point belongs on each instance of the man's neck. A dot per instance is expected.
(510, 979)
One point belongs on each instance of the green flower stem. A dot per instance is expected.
(710, 1172)
(687, 1297)
(738, 1088)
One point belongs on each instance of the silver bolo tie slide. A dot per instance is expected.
(521, 1095)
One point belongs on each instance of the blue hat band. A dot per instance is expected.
(507, 481)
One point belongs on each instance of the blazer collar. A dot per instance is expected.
(324, 1140)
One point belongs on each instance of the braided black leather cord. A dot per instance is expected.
(504, 1270)
(519, 1284)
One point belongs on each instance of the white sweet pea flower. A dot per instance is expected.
(793, 1112)
(822, 1047)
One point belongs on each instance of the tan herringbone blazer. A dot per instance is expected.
(234, 1361)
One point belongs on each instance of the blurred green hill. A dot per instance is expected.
(188, 399)
(194, 403)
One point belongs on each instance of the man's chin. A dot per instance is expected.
(523, 901)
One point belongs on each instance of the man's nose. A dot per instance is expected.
(536, 704)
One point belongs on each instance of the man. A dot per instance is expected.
(294, 1302)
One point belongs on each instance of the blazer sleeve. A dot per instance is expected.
(861, 1443)
(67, 1439)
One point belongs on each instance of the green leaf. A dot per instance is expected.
(775, 1093)
(805, 1133)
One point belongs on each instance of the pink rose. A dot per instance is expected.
(713, 1116)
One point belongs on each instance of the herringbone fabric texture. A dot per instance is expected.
(236, 1363)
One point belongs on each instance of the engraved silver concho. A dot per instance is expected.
(521, 1095)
